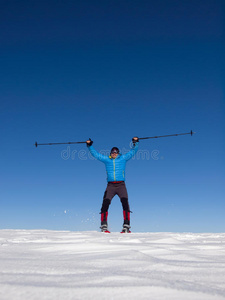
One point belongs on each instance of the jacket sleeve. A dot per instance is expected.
(131, 153)
(97, 155)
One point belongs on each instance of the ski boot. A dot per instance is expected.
(104, 228)
(126, 229)
(104, 224)
(126, 223)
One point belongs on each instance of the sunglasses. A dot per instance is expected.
(116, 152)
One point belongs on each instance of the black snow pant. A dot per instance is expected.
(112, 189)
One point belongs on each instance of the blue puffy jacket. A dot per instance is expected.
(115, 168)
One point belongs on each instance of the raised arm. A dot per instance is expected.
(95, 153)
(133, 151)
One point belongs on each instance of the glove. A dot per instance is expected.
(135, 140)
(89, 142)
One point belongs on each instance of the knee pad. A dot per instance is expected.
(125, 204)
(105, 205)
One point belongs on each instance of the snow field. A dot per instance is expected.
(43, 264)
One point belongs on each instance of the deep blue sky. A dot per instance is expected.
(111, 70)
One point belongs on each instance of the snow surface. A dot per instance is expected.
(43, 264)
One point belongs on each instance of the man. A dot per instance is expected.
(115, 168)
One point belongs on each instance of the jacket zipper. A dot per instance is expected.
(114, 169)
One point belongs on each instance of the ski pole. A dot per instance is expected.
(50, 144)
(168, 135)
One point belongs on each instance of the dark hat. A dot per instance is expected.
(115, 150)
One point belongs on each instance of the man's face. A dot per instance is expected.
(114, 155)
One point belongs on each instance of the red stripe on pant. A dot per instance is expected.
(126, 215)
(104, 216)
